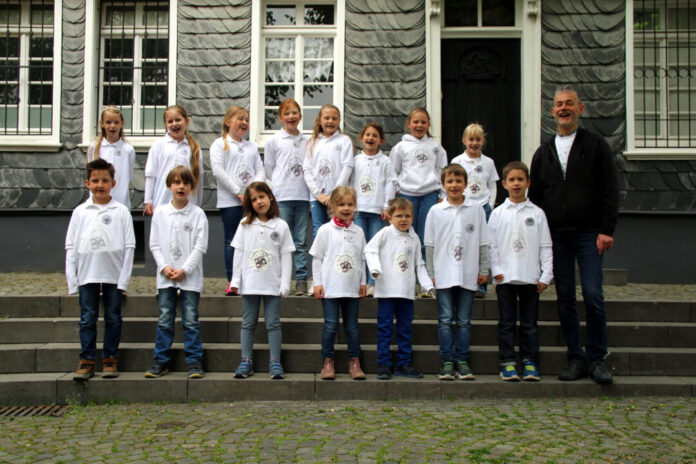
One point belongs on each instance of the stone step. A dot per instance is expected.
(214, 306)
(132, 387)
(224, 357)
(308, 330)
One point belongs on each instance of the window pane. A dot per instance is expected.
(118, 95)
(117, 73)
(318, 94)
(9, 94)
(9, 14)
(152, 119)
(9, 47)
(156, 16)
(279, 15)
(40, 118)
(280, 48)
(154, 95)
(461, 13)
(127, 113)
(319, 14)
(270, 120)
(41, 71)
(41, 47)
(42, 14)
(499, 13)
(681, 18)
(319, 47)
(118, 48)
(280, 71)
(8, 117)
(309, 115)
(40, 94)
(119, 16)
(318, 71)
(275, 94)
(155, 48)
(9, 71)
(154, 72)
(646, 128)
(645, 20)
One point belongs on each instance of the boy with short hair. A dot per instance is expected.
(394, 259)
(99, 246)
(456, 246)
(522, 266)
(178, 241)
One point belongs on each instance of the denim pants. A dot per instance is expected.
(483, 288)
(454, 306)
(421, 206)
(320, 216)
(567, 247)
(89, 313)
(193, 347)
(348, 308)
(370, 223)
(230, 221)
(507, 320)
(296, 214)
(387, 308)
(250, 318)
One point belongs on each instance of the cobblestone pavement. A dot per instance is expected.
(654, 430)
(34, 283)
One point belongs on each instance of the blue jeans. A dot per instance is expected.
(230, 221)
(348, 307)
(507, 320)
(483, 288)
(296, 214)
(370, 223)
(193, 347)
(89, 313)
(567, 247)
(421, 206)
(387, 309)
(454, 307)
(320, 216)
(250, 317)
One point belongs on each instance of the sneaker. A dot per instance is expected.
(109, 368)
(464, 372)
(446, 371)
(301, 288)
(600, 373)
(576, 369)
(530, 372)
(370, 291)
(423, 293)
(244, 370)
(195, 371)
(85, 370)
(509, 373)
(276, 370)
(409, 371)
(156, 370)
(384, 372)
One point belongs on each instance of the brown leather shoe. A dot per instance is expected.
(109, 368)
(328, 372)
(85, 370)
(355, 372)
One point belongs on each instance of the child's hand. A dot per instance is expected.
(323, 199)
(178, 275)
(384, 215)
(168, 272)
(318, 292)
(482, 279)
(363, 291)
(149, 209)
(234, 290)
(375, 275)
(498, 278)
(541, 287)
(241, 197)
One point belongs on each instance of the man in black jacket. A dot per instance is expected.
(573, 178)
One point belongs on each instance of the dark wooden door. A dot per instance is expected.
(481, 83)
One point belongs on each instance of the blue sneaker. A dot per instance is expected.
(245, 369)
(530, 372)
(276, 370)
(509, 373)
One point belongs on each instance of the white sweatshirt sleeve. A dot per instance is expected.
(217, 164)
(285, 273)
(493, 189)
(126, 269)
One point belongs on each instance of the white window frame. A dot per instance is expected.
(40, 142)
(90, 115)
(257, 133)
(632, 152)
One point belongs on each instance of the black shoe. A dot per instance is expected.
(384, 372)
(156, 370)
(600, 373)
(195, 371)
(577, 369)
(408, 371)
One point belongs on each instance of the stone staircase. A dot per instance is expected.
(652, 344)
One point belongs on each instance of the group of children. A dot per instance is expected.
(437, 233)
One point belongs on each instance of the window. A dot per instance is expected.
(26, 68)
(479, 13)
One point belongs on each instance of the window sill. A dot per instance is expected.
(29, 144)
(659, 154)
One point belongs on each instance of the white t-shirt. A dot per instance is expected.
(480, 174)
(456, 232)
(520, 244)
(340, 251)
(374, 182)
(122, 156)
(179, 238)
(262, 245)
(234, 169)
(329, 164)
(165, 154)
(396, 256)
(563, 145)
(99, 245)
(418, 164)
(283, 157)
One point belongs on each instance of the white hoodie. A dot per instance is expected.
(417, 164)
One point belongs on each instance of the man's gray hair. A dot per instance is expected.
(567, 88)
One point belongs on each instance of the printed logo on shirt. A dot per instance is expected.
(518, 243)
(98, 241)
(344, 264)
(475, 185)
(296, 166)
(106, 219)
(176, 249)
(325, 168)
(368, 186)
(479, 169)
(421, 156)
(188, 227)
(244, 173)
(529, 221)
(469, 228)
(401, 261)
(260, 260)
(275, 236)
(457, 248)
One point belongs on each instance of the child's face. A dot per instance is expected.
(344, 208)
(180, 190)
(238, 126)
(290, 118)
(329, 121)
(402, 219)
(419, 124)
(473, 145)
(112, 125)
(100, 184)
(260, 202)
(516, 183)
(371, 140)
(176, 124)
(455, 186)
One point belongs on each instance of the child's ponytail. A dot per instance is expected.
(195, 158)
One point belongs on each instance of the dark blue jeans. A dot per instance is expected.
(508, 295)
(454, 306)
(370, 223)
(387, 309)
(296, 214)
(193, 347)
(89, 313)
(348, 308)
(320, 216)
(567, 247)
(421, 206)
(230, 221)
